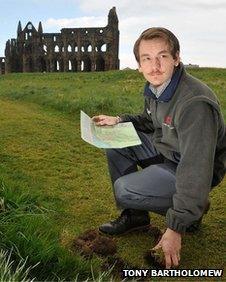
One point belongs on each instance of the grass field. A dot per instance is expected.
(55, 186)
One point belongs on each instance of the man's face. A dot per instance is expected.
(156, 62)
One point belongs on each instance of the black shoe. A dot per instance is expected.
(129, 220)
(195, 226)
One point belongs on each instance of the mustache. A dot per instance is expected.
(155, 73)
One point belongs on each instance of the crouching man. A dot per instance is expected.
(183, 150)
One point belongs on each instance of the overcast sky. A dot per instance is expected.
(199, 25)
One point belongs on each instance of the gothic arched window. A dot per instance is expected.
(104, 47)
(82, 65)
(57, 66)
(69, 65)
(56, 49)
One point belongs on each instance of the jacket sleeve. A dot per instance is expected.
(142, 122)
(197, 136)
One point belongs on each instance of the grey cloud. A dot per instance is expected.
(144, 7)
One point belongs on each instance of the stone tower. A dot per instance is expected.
(73, 49)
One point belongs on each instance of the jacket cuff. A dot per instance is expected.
(175, 223)
(124, 118)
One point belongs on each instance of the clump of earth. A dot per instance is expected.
(155, 258)
(92, 242)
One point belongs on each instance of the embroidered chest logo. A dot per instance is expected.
(148, 111)
(168, 122)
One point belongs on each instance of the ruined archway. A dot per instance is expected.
(61, 65)
(87, 64)
(69, 48)
(74, 64)
(56, 65)
(30, 65)
(56, 49)
(69, 65)
(43, 65)
(89, 48)
(100, 64)
(35, 50)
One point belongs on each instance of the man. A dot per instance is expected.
(183, 151)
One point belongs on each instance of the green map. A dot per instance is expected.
(116, 136)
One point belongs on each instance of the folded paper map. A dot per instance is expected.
(114, 136)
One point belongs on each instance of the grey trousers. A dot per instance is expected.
(150, 188)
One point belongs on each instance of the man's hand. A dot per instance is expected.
(171, 246)
(105, 120)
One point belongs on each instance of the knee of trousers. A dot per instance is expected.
(120, 191)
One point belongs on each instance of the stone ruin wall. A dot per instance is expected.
(73, 49)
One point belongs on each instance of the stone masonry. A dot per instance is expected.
(73, 49)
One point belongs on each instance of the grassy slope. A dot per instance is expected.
(36, 156)
(42, 152)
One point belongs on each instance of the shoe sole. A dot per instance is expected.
(136, 229)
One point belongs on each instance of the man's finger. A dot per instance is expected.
(100, 117)
(99, 123)
(168, 261)
(175, 260)
(102, 122)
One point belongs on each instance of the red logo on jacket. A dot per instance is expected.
(168, 120)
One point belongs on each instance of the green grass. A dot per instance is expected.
(9, 272)
(58, 186)
(33, 239)
(112, 92)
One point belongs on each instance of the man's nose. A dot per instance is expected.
(156, 64)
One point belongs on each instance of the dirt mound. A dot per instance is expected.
(155, 258)
(92, 242)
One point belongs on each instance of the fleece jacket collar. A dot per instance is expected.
(170, 89)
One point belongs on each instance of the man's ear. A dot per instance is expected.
(177, 59)
(139, 68)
